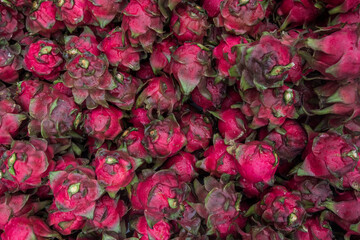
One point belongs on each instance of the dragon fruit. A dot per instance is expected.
(140, 117)
(142, 22)
(160, 231)
(26, 164)
(280, 208)
(189, 63)
(103, 123)
(208, 94)
(232, 98)
(225, 55)
(340, 6)
(212, 7)
(314, 228)
(131, 139)
(145, 72)
(23, 227)
(27, 90)
(271, 107)
(350, 180)
(73, 13)
(183, 164)
(119, 51)
(240, 18)
(108, 214)
(104, 11)
(115, 169)
(43, 58)
(262, 233)
(220, 206)
(197, 129)
(159, 195)
(328, 155)
(11, 25)
(10, 62)
(217, 160)
(189, 23)
(75, 191)
(256, 162)
(160, 95)
(89, 78)
(42, 18)
(86, 42)
(161, 56)
(163, 138)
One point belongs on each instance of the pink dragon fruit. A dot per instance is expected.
(27, 90)
(103, 123)
(189, 63)
(240, 18)
(10, 62)
(64, 222)
(86, 42)
(232, 98)
(183, 164)
(108, 214)
(115, 169)
(212, 7)
(160, 231)
(159, 96)
(350, 179)
(27, 164)
(209, 94)
(217, 160)
(280, 208)
(104, 11)
(161, 56)
(73, 13)
(119, 51)
(340, 6)
(19, 228)
(163, 138)
(224, 54)
(139, 117)
(262, 233)
(197, 129)
(131, 139)
(314, 228)
(42, 18)
(189, 23)
(12, 24)
(160, 196)
(145, 72)
(256, 162)
(43, 58)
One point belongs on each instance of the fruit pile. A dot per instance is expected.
(179, 119)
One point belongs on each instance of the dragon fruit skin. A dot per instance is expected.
(114, 169)
(184, 165)
(132, 140)
(161, 56)
(189, 23)
(12, 205)
(12, 23)
(212, 7)
(328, 155)
(23, 227)
(160, 231)
(232, 98)
(43, 58)
(104, 11)
(208, 94)
(146, 72)
(350, 179)
(163, 138)
(140, 117)
(314, 228)
(43, 19)
(73, 13)
(27, 90)
(189, 63)
(10, 62)
(262, 233)
(340, 6)
(142, 22)
(119, 51)
(85, 42)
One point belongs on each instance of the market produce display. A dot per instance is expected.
(179, 119)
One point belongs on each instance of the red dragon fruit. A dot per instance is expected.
(89, 78)
(160, 196)
(212, 7)
(19, 228)
(163, 138)
(184, 165)
(27, 164)
(161, 56)
(43, 58)
(103, 123)
(240, 18)
(350, 180)
(104, 11)
(115, 169)
(123, 96)
(314, 228)
(262, 233)
(209, 94)
(217, 160)
(75, 191)
(73, 13)
(42, 18)
(108, 214)
(131, 139)
(328, 155)
(160, 231)
(64, 222)
(142, 22)
(10, 62)
(348, 17)
(280, 208)
(225, 55)
(119, 51)
(197, 129)
(27, 90)
(232, 98)
(53, 114)
(189, 23)
(220, 206)
(12, 24)
(139, 117)
(160, 95)
(145, 73)
(256, 162)
(86, 42)
(340, 6)
(271, 107)
(297, 13)
(189, 63)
